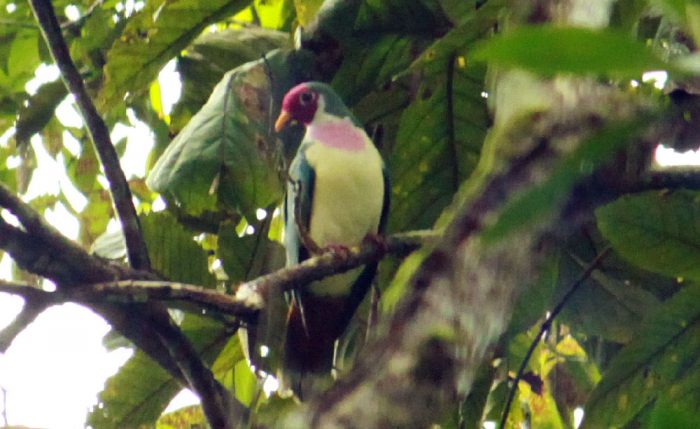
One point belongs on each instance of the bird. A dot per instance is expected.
(338, 194)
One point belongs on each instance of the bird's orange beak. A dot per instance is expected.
(282, 120)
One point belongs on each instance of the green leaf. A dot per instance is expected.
(379, 40)
(141, 390)
(186, 417)
(669, 414)
(276, 14)
(39, 109)
(228, 146)
(549, 50)
(537, 298)
(660, 356)
(173, 251)
(604, 306)
(95, 216)
(306, 10)
(343, 19)
(372, 61)
(245, 258)
(656, 231)
(83, 170)
(23, 57)
(152, 37)
(245, 383)
(210, 56)
(430, 158)
(135, 396)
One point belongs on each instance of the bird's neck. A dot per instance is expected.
(338, 133)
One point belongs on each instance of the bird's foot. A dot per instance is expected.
(377, 240)
(337, 250)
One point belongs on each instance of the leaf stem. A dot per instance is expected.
(546, 325)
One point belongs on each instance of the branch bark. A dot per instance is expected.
(461, 296)
(41, 249)
(251, 297)
(119, 187)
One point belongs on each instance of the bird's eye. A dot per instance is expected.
(305, 98)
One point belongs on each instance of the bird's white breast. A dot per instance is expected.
(348, 193)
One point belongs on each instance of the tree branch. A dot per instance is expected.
(220, 408)
(459, 300)
(255, 292)
(546, 326)
(119, 187)
(34, 304)
(250, 298)
(42, 250)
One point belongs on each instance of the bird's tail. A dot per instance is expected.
(310, 343)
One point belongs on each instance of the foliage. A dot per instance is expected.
(420, 75)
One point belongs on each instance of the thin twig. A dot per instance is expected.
(119, 187)
(136, 292)
(329, 263)
(29, 313)
(220, 408)
(546, 325)
(4, 405)
(451, 142)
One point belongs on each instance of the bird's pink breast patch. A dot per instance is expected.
(341, 135)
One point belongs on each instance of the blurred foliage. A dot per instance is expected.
(416, 73)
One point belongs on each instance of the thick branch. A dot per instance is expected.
(42, 250)
(251, 296)
(459, 300)
(119, 187)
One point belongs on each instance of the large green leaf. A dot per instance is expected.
(437, 145)
(441, 132)
(663, 354)
(656, 231)
(152, 37)
(210, 56)
(141, 390)
(371, 61)
(378, 40)
(227, 153)
(603, 305)
(23, 57)
(174, 252)
(548, 50)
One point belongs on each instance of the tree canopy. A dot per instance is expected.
(538, 261)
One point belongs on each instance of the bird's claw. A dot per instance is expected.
(337, 250)
(377, 240)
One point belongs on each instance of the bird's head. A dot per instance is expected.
(303, 101)
(299, 104)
